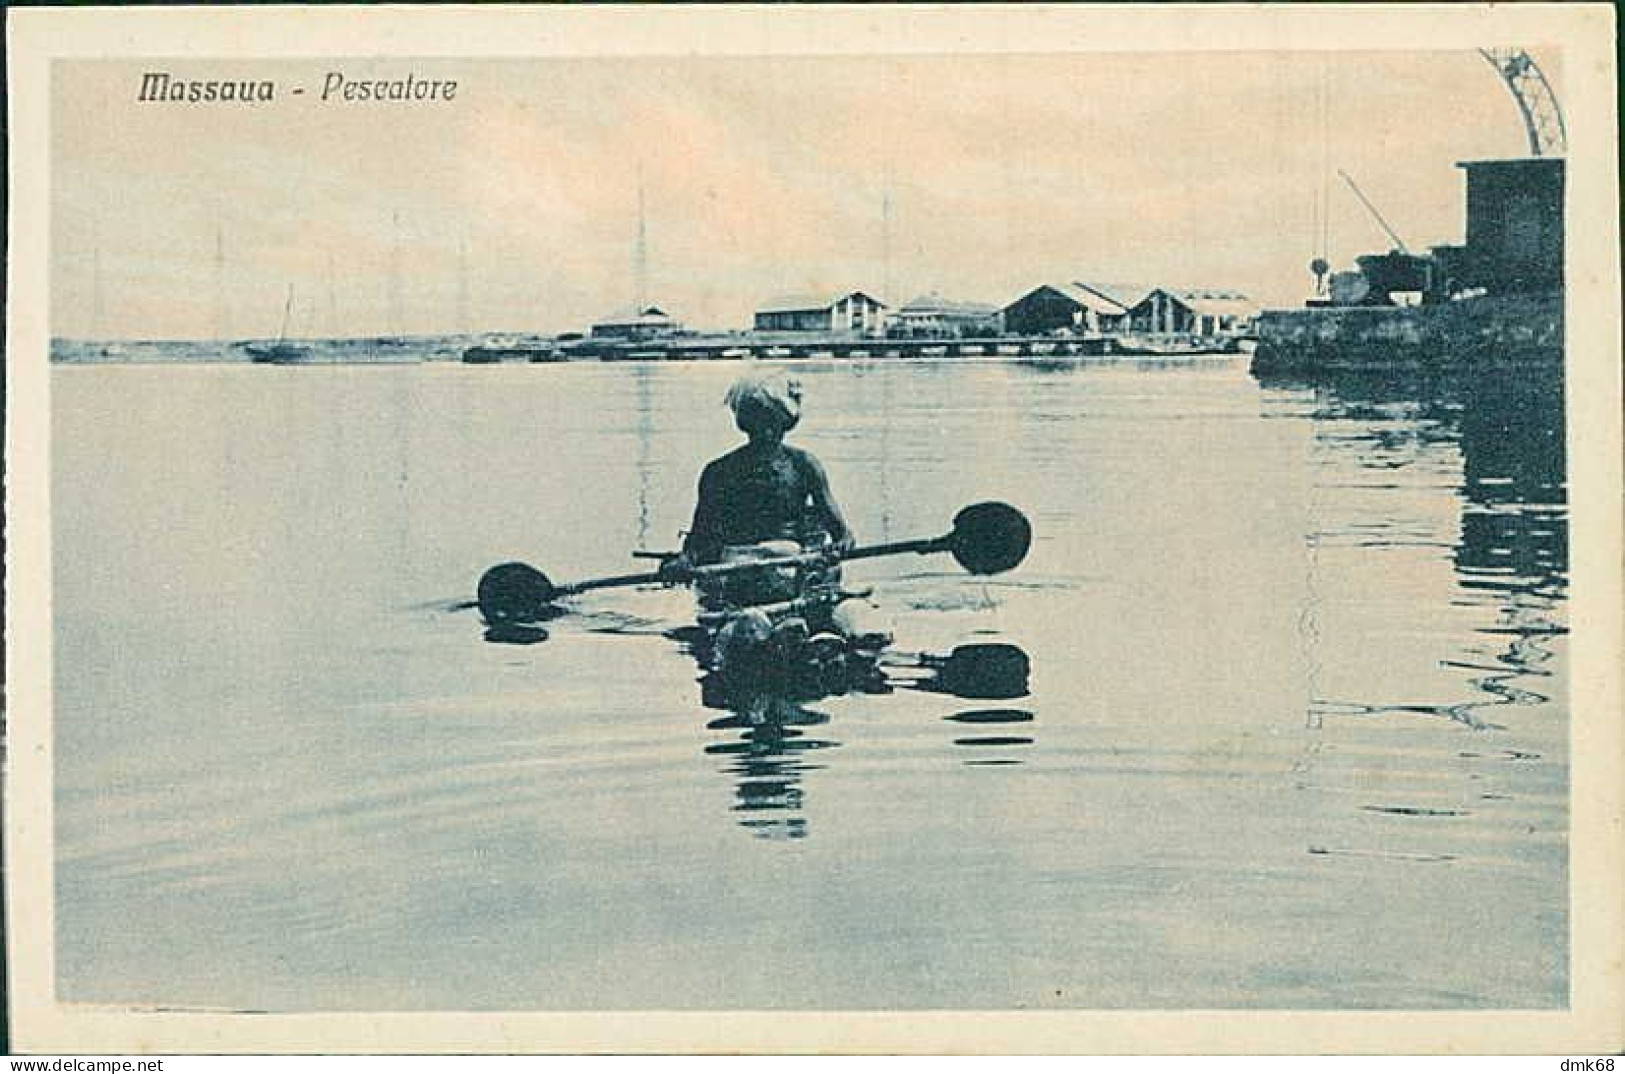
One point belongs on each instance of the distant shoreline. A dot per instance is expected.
(693, 347)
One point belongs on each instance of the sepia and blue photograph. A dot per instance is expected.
(990, 531)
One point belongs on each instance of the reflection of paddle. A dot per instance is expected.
(983, 670)
(987, 538)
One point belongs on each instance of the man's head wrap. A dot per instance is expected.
(765, 401)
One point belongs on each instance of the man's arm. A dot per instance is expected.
(702, 543)
(823, 502)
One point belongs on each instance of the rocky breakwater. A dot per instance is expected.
(1499, 331)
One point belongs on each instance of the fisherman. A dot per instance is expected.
(764, 500)
(765, 490)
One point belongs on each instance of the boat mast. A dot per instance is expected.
(395, 274)
(462, 285)
(1320, 263)
(885, 245)
(96, 291)
(640, 254)
(287, 314)
(333, 331)
(219, 282)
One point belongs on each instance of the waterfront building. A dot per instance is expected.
(1199, 312)
(1125, 296)
(1079, 306)
(1514, 230)
(650, 322)
(847, 313)
(931, 316)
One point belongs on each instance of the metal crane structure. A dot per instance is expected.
(1399, 243)
(1542, 118)
(1532, 191)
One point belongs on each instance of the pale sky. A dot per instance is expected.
(514, 207)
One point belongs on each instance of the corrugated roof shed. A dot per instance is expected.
(649, 315)
(1216, 302)
(796, 304)
(1088, 298)
(810, 303)
(1125, 295)
(935, 303)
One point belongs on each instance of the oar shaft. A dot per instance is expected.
(716, 570)
(924, 546)
(646, 578)
(987, 538)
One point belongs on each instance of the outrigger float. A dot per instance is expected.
(794, 643)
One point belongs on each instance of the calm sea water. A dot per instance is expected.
(1296, 733)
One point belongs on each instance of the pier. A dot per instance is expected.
(764, 346)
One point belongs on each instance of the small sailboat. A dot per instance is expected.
(281, 352)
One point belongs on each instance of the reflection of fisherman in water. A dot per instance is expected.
(767, 760)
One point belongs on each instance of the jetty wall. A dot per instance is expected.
(1501, 331)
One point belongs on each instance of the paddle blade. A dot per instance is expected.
(990, 537)
(514, 593)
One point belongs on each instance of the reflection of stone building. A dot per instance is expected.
(1508, 427)
(1507, 534)
(1514, 523)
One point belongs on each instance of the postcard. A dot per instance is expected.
(814, 529)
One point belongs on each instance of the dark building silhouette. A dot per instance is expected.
(1514, 228)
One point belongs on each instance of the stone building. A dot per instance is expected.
(848, 313)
